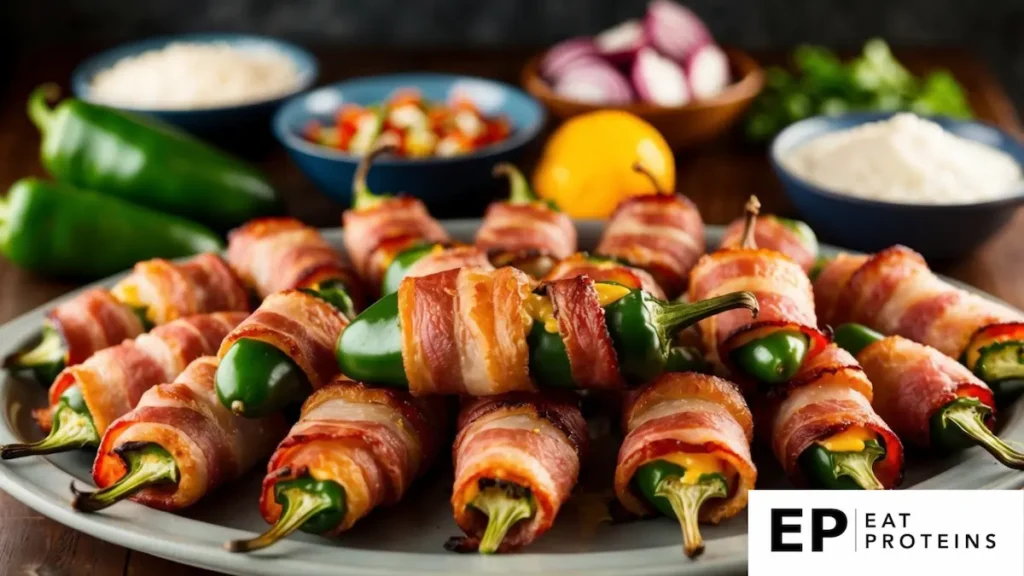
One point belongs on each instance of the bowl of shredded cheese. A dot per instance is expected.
(204, 83)
(871, 180)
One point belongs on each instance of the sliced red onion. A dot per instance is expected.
(561, 56)
(594, 82)
(659, 80)
(619, 44)
(707, 72)
(674, 29)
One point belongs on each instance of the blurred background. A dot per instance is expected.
(991, 29)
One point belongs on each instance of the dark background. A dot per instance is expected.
(991, 29)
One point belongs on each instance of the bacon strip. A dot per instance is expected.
(894, 292)
(464, 332)
(92, 321)
(772, 233)
(535, 441)
(913, 381)
(605, 271)
(694, 414)
(782, 289)
(589, 346)
(200, 285)
(275, 254)
(663, 234)
(113, 380)
(373, 442)
(829, 285)
(823, 401)
(526, 229)
(449, 259)
(211, 446)
(302, 326)
(373, 236)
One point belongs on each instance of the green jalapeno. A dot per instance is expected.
(307, 504)
(72, 429)
(1001, 366)
(148, 464)
(400, 266)
(661, 483)
(773, 359)
(641, 329)
(842, 470)
(807, 236)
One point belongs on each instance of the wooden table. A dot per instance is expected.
(718, 177)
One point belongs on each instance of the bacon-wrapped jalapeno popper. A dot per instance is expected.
(894, 292)
(378, 228)
(177, 445)
(517, 458)
(605, 269)
(156, 292)
(824, 431)
(686, 453)
(927, 397)
(275, 254)
(280, 354)
(774, 347)
(481, 332)
(353, 449)
(525, 231)
(661, 233)
(84, 399)
(790, 237)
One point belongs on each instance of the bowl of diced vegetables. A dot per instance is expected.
(449, 130)
(664, 67)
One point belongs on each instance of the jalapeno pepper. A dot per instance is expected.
(56, 229)
(1001, 366)
(504, 503)
(807, 236)
(641, 328)
(961, 424)
(855, 337)
(773, 359)
(45, 359)
(362, 197)
(400, 266)
(146, 163)
(72, 428)
(686, 359)
(148, 464)
(829, 470)
(307, 504)
(662, 485)
(256, 379)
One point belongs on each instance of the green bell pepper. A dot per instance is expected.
(828, 470)
(313, 506)
(660, 483)
(148, 465)
(147, 163)
(72, 428)
(43, 224)
(640, 325)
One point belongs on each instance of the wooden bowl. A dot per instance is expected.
(682, 126)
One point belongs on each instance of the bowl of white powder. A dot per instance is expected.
(869, 180)
(204, 83)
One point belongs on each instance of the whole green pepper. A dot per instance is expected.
(660, 483)
(72, 428)
(56, 229)
(773, 359)
(400, 266)
(828, 470)
(147, 163)
(640, 325)
(148, 464)
(307, 504)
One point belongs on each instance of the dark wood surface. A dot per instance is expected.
(718, 177)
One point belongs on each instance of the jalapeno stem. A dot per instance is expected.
(671, 317)
(968, 416)
(46, 359)
(38, 110)
(148, 465)
(641, 169)
(71, 430)
(686, 500)
(362, 197)
(751, 210)
(859, 467)
(504, 504)
(520, 192)
(300, 504)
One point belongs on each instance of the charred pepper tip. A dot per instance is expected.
(363, 198)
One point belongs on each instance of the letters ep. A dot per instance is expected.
(782, 524)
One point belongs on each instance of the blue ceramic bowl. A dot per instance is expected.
(449, 186)
(205, 121)
(936, 231)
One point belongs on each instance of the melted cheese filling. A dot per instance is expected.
(850, 440)
(128, 293)
(539, 307)
(697, 465)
